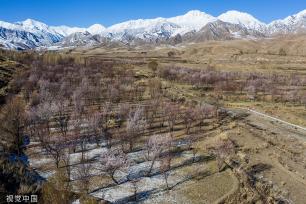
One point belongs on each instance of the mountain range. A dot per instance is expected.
(194, 26)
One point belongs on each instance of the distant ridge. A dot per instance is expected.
(193, 26)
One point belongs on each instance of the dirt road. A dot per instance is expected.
(276, 119)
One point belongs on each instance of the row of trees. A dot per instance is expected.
(253, 85)
(157, 148)
(53, 126)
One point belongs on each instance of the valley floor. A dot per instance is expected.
(213, 149)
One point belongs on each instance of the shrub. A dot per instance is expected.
(56, 190)
(153, 65)
(282, 52)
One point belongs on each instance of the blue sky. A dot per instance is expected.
(107, 12)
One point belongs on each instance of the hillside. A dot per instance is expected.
(9, 70)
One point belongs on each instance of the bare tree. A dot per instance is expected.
(303, 98)
(53, 146)
(189, 117)
(292, 96)
(165, 167)
(76, 124)
(113, 92)
(134, 182)
(111, 161)
(223, 150)
(45, 112)
(55, 142)
(81, 134)
(205, 111)
(172, 112)
(61, 117)
(78, 100)
(155, 145)
(94, 125)
(32, 122)
(83, 173)
(12, 126)
(136, 124)
(191, 141)
(44, 93)
(62, 123)
(251, 92)
(105, 118)
(155, 88)
(163, 116)
(41, 129)
(123, 112)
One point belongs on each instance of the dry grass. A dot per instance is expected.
(295, 114)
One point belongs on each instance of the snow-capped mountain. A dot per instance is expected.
(291, 24)
(27, 34)
(244, 19)
(96, 29)
(195, 25)
(65, 30)
(19, 39)
(79, 39)
(30, 34)
(159, 27)
(147, 30)
(192, 21)
(220, 30)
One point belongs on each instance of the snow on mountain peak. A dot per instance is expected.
(96, 29)
(291, 24)
(65, 30)
(149, 30)
(303, 12)
(192, 21)
(32, 24)
(195, 13)
(142, 29)
(135, 24)
(28, 25)
(294, 18)
(241, 18)
(9, 25)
